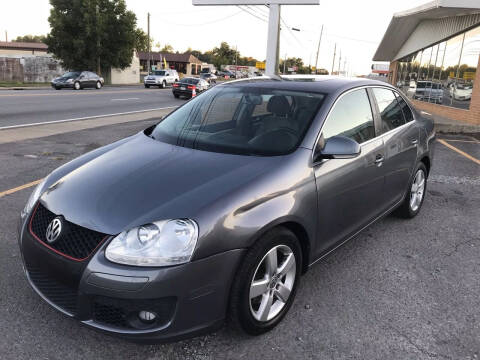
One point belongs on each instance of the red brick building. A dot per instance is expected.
(434, 55)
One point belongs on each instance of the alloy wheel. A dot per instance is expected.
(272, 283)
(417, 190)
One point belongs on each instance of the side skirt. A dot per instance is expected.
(388, 211)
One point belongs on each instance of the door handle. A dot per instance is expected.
(379, 160)
(414, 141)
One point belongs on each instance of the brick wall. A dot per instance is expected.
(471, 116)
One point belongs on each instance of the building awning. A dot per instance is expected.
(17, 45)
(169, 57)
(404, 23)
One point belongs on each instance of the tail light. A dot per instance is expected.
(175, 85)
(191, 87)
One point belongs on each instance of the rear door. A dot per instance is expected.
(349, 190)
(400, 135)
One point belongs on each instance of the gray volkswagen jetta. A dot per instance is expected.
(214, 213)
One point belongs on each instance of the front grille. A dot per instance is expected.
(59, 294)
(75, 241)
(122, 313)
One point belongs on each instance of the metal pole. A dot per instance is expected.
(334, 54)
(339, 62)
(284, 62)
(271, 67)
(149, 51)
(318, 50)
(236, 61)
(98, 42)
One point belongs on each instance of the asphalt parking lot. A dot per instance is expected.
(400, 290)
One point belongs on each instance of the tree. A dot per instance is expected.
(31, 38)
(92, 34)
(141, 40)
(167, 48)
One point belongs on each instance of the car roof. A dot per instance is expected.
(313, 83)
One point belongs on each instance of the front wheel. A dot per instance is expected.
(147, 86)
(265, 285)
(415, 195)
(164, 84)
(98, 85)
(77, 85)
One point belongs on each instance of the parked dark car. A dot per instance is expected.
(187, 86)
(226, 74)
(78, 80)
(215, 212)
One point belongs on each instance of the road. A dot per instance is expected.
(403, 289)
(33, 106)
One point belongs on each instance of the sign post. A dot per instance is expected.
(271, 67)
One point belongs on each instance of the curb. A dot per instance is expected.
(457, 128)
(26, 88)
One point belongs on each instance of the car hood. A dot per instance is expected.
(144, 180)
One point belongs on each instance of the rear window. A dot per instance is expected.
(390, 111)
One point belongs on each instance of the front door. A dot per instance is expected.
(350, 191)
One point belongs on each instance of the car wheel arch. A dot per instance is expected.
(298, 229)
(426, 161)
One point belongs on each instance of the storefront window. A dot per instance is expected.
(443, 73)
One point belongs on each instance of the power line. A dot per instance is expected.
(203, 24)
(252, 14)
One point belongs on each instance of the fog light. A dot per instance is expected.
(147, 316)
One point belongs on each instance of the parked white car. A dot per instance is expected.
(461, 91)
(161, 78)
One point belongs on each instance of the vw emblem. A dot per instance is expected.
(54, 229)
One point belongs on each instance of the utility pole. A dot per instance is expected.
(284, 62)
(236, 61)
(318, 50)
(149, 50)
(6, 36)
(97, 10)
(339, 62)
(334, 54)
(344, 66)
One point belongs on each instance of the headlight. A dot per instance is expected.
(162, 243)
(69, 81)
(32, 200)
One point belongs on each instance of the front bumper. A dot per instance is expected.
(188, 299)
(62, 85)
(152, 83)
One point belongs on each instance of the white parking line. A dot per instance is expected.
(84, 118)
(124, 99)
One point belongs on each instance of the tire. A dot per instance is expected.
(98, 85)
(176, 96)
(164, 84)
(245, 313)
(147, 86)
(58, 88)
(412, 204)
(77, 85)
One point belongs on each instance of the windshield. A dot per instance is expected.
(161, 73)
(241, 120)
(71, 74)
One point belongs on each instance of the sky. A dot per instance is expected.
(355, 26)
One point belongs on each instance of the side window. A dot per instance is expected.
(407, 112)
(390, 111)
(351, 117)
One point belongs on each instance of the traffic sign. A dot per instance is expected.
(260, 65)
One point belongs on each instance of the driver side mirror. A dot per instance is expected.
(337, 147)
